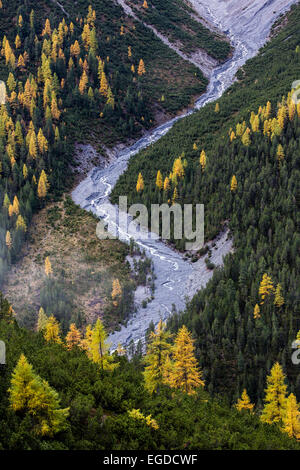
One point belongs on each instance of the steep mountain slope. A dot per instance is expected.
(263, 214)
(62, 65)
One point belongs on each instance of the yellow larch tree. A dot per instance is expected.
(52, 330)
(274, 410)
(217, 108)
(159, 180)
(31, 394)
(185, 374)
(255, 124)
(291, 419)
(83, 83)
(75, 49)
(47, 28)
(279, 299)
(158, 349)
(42, 142)
(233, 184)
(21, 224)
(25, 171)
(15, 206)
(42, 185)
(203, 160)
(256, 312)
(246, 139)
(100, 348)
(268, 110)
(103, 84)
(291, 110)
(110, 98)
(166, 184)
(140, 183)
(42, 320)
(73, 337)
(8, 240)
(266, 287)
(33, 145)
(175, 196)
(280, 153)
(48, 267)
(141, 68)
(178, 168)
(244, 402)
(116, 292)
(54, 108)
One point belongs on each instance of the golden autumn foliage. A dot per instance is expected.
(8, 240)
(279, 299)
(256, 312)
(116, 292)
(48, 267)
(73, 337)
(140, 183)
(275, 400)
(52, 330)
(184, 373)
(43, 185)
(178, 168)
(16, 206)
(233, 184)
(141, 68)
(159, 180)
(148, 420)
(244, 403)
(166, 184)
(266, 287)
(203, 160)
(21, 224)
(291, 419)
(280, 153)
(29, 393)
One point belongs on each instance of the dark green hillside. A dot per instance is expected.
(174, 18)
(99, 403)
(234, 349)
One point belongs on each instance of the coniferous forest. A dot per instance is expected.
(217, 375)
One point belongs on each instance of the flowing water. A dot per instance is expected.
(247, 24)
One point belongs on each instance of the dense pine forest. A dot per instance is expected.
(104, 404)
(218, 375)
